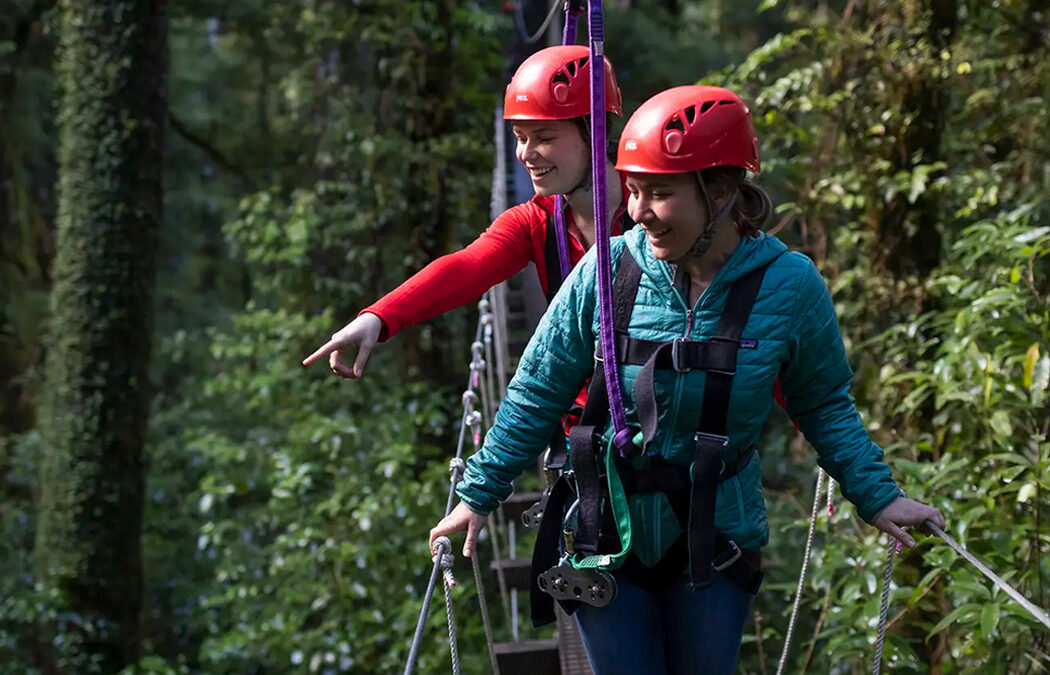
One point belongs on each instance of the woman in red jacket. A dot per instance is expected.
(548, 100)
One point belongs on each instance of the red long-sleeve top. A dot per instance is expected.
(514, 239)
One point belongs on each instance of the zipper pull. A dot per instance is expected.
(688, 322)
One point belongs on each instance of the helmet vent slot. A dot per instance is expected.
(690, 114)
(705, 106)
(675, 123)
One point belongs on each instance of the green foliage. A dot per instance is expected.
(903, 138)
(318, 154)
(309, 515)
(288, 510)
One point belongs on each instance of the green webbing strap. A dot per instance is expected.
(621, 515)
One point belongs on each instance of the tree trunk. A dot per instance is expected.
(111, 71)
(916, 250)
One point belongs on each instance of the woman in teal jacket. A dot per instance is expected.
(685, 152)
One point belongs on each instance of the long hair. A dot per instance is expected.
(753, 207)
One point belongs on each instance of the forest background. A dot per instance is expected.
(317, 153)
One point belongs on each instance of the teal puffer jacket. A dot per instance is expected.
(794, 324)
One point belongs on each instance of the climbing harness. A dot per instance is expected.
(606, 472)
(589, 550)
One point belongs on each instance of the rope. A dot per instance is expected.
(453, 647)
(831, 496)
(470, 418)
(622, 434)
(884, 606)
(1040, 615)
(485, 616)
(519, 22)
(443, 558)
(802, 573)
(490, 404)
(488, 318)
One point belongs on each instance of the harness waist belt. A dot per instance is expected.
(662, 476)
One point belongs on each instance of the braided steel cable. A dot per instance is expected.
(523, 31)
(413, 652)
(485, 615)
(1038, 614)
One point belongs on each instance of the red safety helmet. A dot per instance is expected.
(686, 129)
(555, 84)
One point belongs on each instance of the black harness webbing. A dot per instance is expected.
(693, 501)
(551, 259)
(710, 440)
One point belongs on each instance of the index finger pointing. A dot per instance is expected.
(325, 350)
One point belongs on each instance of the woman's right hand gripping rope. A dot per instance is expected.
(459, 519)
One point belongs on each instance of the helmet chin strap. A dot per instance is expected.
(703, 243)
(584, 184)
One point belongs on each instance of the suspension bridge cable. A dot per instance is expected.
(523, 31)
(1039, 614)
(470, 418)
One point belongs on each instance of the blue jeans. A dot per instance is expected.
(673, 632)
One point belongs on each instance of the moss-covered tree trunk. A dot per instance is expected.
(112, 72)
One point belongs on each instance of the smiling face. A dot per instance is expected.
(671, 210)
(555, 154)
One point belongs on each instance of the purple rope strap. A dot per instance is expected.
(622, 435)
(561, 236)
(568, 38)
(572, 9)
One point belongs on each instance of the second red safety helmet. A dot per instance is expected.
(686, 129)
(555, 84)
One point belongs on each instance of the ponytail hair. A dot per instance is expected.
(753, 206)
